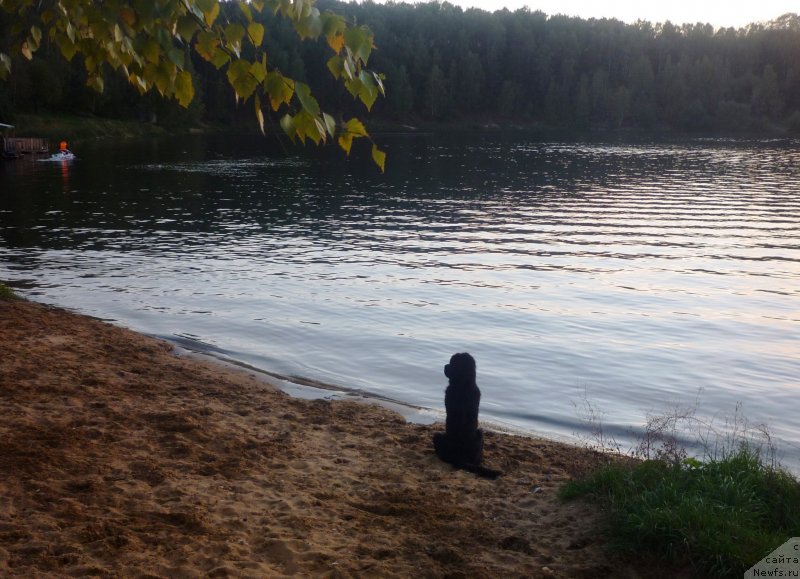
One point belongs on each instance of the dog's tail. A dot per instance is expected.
(479, 470)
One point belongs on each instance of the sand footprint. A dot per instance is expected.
(278, 553)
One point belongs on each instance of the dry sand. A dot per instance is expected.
(120, 459)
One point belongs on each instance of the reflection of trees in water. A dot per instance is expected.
(159, 192)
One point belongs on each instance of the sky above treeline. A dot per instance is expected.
(718, 13)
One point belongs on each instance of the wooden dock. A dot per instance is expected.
(15, 147)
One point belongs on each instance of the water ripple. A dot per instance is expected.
(640, 273)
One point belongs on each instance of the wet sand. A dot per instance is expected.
(121, 459)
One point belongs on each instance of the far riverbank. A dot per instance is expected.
(89, 127)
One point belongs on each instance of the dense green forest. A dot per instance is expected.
(446, 64)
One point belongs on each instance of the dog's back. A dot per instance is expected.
(462, 443)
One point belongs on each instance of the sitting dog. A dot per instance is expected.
(462, 442)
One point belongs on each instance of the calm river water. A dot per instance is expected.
(639, 276)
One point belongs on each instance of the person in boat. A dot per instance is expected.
(63, 151)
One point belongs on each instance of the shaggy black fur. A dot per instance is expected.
(462, 442)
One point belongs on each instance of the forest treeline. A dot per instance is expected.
(446, 64)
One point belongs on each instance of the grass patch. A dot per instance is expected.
(721, 516)
(6, 293)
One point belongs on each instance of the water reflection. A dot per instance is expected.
(65, 174)
(642, 272)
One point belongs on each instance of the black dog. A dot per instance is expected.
(462, 442)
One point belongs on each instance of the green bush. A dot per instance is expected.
(722, 515)
(6, 293)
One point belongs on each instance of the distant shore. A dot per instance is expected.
(87, 127)
(121, 458)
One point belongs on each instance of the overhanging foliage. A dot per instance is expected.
(148, 40)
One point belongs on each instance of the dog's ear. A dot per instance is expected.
(447, 370)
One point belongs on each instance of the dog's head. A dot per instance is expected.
(461, 369)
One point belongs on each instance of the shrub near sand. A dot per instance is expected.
(717, 516)
(6, 293)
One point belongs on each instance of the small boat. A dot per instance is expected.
(63, 155)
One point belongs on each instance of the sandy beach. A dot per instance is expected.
(121, 459)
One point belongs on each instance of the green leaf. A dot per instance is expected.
(333, 27)
(279, 89)
(96, 82)
(346, 142)
(359, 41)
(332, 24)
(234, 33)
(256, 33)
(90, 64)
(308, 126)
(308, 24)
(112, 56)
(164, 78)
(35, 38)
(140, 84)
(379, 157)
(152, 51)
(368, 96)
(186, 27)
(195, 9)
(369, 92)
(336, 42)
(348, 66)
(26, 51)
(355, 127)
(246, 11)
(206, 45)
(259, 114)
(379, 80)
(184, 89)
(211, 15)
(330, 123)
(308, 102)
(5, 65)
(233, 38)
(240, 78)
(287, 124)
(320, 129)
(354, 86)
(67, 48)
(220, 58)
(259, 71)
(335, 65)
(164, 36)
(210, 10)
(176, 56)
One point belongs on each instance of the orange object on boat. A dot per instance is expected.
(62, 146)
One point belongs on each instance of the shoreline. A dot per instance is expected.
(121, 457)
(82, 128)
(311, 389)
